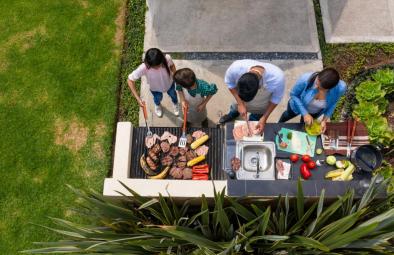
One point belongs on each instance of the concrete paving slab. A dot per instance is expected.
(213, 71)
(347, 21)
(231, 26)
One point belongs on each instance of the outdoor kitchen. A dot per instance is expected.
(232, 157)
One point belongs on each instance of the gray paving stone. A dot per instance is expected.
(347, 21)
(231, 26)
(213, 71)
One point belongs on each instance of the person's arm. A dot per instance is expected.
(260, 126)
(182, 97)
(134, 91)
(296, 91)
(330, 110)
(135, 75)
(203, 104)
(170, 64)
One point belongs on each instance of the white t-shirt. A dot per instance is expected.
(158, 79)
(273, 77)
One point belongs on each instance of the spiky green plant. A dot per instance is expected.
(229, 226)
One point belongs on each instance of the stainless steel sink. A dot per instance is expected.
(257, 160)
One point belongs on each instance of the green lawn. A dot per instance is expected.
(59, 68)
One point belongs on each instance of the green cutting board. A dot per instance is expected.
(298, 143)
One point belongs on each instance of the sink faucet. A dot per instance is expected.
(258, 165)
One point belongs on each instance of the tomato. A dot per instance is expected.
(305, 173)
(311, 164)
(294, 158)
(306, 158)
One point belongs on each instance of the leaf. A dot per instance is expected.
(272, 238)
(191, 236)
(308, 243)
(320, 205)
(338, 227)
(242, 210)
(369, 91)
(166, 210)
(300, 200)
(350, 236)
(299, 224)
(148, 203)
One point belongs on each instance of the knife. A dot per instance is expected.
(309, 144)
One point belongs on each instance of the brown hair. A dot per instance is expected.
(185, 77)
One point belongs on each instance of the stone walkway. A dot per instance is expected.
(358, 20)
(210, 35)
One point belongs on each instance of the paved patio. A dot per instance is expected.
(282, 32)
(347, 21)
(213, 71)
(231, 26)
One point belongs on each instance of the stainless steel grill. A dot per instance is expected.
(214, 158)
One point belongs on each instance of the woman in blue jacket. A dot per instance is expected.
(313, 95)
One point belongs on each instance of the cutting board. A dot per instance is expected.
(298, 143)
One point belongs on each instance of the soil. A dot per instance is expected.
(390, 115)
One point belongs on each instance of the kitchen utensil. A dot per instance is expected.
(183, 140)
(348, 138)
(367, 157)
(309, 143)
(247, 124)
(148, 133)
(351, 136)
(279, 136)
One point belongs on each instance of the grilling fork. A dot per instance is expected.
(149, 133)
(183, 140)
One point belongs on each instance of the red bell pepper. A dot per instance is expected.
(306, 174)
(200, 177)
(200, 169)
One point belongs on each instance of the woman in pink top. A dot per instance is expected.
(158, 70)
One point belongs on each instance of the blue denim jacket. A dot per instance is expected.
(301, 96)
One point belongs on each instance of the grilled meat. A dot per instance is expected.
(176, 173)
(235, 164)
(151, 140)
(174, 151)
(198, 134)
(189, 139)
(153, 155)
(187, 173)
(202, 150)
(191, 154)
(167, 161)
(182, 151)
(152, 165)
(165, 146)
(181, 162)
(169, 137)
(156, 149)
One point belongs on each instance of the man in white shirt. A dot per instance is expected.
(257, 87)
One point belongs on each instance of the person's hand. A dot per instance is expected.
(185, 104)
(242, 110)
(323, 125)
(141, 102)
(200, 107)
(308, 119)
(260, 126)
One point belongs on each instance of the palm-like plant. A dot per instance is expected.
(230, 226)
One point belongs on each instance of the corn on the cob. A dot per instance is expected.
(195, 160)
(199, 141)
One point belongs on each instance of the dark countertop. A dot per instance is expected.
(311, 187)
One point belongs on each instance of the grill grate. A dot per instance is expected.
(214, 157)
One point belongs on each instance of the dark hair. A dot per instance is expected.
(185, 77)
(155, 57)
(248, 85)
(328, 77)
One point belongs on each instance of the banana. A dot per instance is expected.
(162, 175)
(145, 167)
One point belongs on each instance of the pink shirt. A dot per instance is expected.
(158, 79)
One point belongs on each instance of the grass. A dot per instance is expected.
(351, 58)
(132, 58)
(59, 67)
